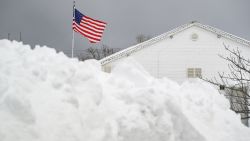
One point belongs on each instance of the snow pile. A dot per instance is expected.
(45, 96)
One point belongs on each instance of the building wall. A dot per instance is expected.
(173, 56)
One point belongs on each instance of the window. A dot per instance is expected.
(194, 72)
(222, 87)
(197, 72)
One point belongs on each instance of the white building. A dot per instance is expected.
(188, 51)
(185, 52)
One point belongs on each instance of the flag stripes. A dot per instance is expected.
(90, 28)
(96, 29)
(86, 29)
(98, 23)
(91, 38)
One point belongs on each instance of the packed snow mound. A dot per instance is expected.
(45, 96)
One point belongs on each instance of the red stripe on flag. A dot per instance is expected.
(89, 31)
(91, 28)
(90, 37)
(96, 20)
(92, 25)
(87, 36)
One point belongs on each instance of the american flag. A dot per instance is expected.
(88, 27)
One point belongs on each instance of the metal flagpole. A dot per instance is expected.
(73, 32)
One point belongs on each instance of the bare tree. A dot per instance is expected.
(236, 83)
(106, 51)
(97, 53)
(141, 38)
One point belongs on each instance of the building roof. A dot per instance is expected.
(169, 34)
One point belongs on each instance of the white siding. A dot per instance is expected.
(172, 57)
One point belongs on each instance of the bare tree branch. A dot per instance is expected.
(236, 83)
(97, 53)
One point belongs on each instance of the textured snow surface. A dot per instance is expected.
(45, 96)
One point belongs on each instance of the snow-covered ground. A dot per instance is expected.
(45, 96)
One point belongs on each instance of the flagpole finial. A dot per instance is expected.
(74, 7)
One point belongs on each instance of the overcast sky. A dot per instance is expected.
(48, 22)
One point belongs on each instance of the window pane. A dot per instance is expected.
(190, 72)
(197, 72)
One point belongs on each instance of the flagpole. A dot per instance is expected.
(73, 43)
(73, 33)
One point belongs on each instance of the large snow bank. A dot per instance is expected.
(45, 96)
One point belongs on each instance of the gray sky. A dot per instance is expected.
(48, 22)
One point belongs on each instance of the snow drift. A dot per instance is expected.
(45, 96)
